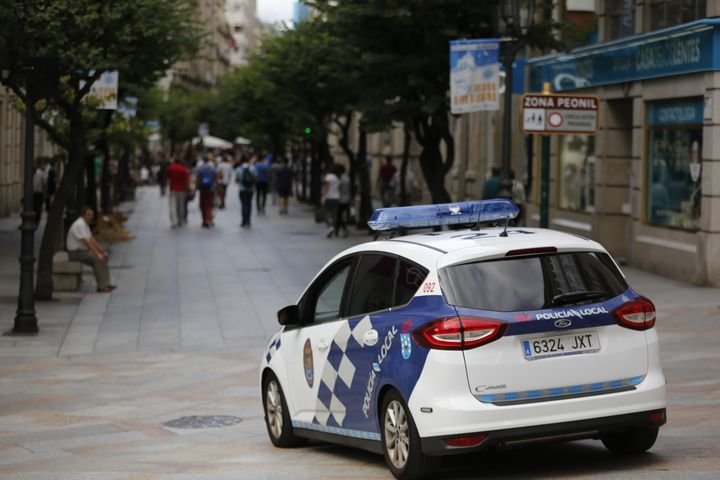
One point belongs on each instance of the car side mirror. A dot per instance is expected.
(289, 315)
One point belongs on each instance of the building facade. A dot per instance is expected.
(648, 184)
(213, 59)
(245, 29)
(12, 153)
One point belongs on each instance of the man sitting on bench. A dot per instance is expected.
(82, 247)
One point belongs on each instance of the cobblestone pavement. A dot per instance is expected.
(106, 389)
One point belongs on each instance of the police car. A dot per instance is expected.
(453, 341)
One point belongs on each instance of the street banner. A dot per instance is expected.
(105, 90)
(474, 75)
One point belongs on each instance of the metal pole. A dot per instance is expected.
(506, 144)
(545, 181)
(545, 172)
(25, 320)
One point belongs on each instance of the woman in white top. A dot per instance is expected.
(331, 198)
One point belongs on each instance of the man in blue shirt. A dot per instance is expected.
(262, 172)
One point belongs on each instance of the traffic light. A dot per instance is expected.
(308, 130)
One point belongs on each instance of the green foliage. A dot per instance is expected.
(179, 111)
(140, 38)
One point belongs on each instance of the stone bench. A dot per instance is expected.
(67, 275)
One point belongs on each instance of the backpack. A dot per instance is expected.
(247, 179)
(205, 178)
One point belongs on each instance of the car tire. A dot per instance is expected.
(277, 416)
(630, 440)
(401, 442)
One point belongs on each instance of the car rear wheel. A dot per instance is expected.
(277, 416)
(630, 440)
(400, 441)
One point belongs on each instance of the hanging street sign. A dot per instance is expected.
(559, 114)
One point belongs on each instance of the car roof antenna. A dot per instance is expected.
(504, 232)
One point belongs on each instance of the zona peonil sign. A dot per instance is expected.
(559, 114)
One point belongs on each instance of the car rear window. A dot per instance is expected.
(532, 283)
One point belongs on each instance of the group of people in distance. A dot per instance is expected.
(211, 178)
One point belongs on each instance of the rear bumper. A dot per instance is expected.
(575, 430)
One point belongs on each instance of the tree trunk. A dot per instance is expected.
(404, 200)
(430, 132)
(366, 207)
(91, 199)
(53, 227)
(344, 142)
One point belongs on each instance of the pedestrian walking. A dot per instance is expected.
(331, 199)
(283, 185)
(262, 179)
(245, 178)
(206, 175)
(385, 181)
(144, 175)
(411, 187)
(82, 247)
(225, 174)
(492, 184)
(343, 208)
(162, 177)
(40, 178)
(179, 178)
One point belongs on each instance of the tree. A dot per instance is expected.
(88, 38)
(403, 58)
(294, 82)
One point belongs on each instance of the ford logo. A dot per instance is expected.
(563, 323)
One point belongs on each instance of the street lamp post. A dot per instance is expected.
(41, 82)
(516, 20)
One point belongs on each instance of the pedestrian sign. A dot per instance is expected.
(559, 114)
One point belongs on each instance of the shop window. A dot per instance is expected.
(674, 164)
(577, 173)
(620, 16)
(667, 13)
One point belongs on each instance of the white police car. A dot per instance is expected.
(449, 342)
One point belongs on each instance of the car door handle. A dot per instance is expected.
(323, 345)
(370, 338)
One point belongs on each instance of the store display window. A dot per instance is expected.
(674, 165)
(577, 173)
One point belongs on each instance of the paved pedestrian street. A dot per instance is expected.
(159, 379)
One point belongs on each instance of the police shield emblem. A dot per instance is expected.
(308, 363)
(405, 345)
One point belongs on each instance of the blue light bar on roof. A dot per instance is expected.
(426, 216)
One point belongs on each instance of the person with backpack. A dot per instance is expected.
(262, 181)
(206, 175)
(245, 178)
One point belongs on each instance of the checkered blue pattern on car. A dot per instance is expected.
(273, 347)
(339, 372)
(337, 430)
(566, 392)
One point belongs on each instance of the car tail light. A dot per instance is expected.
(657, 417)
(459, 333)
(637, 314)
(469, 441)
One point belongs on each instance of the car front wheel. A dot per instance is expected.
(277, 416)
(630, 440)
(400, 441)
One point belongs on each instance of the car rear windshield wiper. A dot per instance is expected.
(579, 296)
